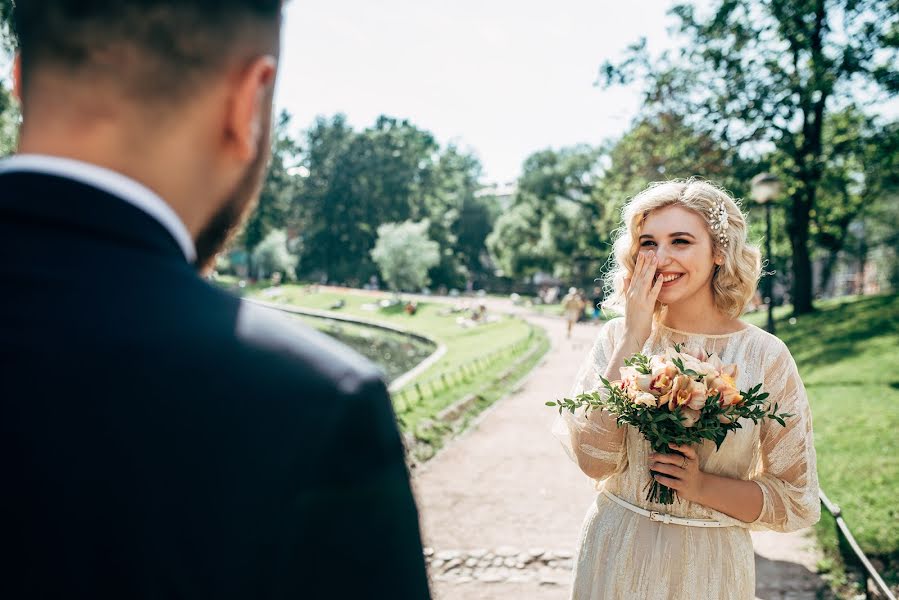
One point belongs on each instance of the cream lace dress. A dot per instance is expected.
(624, 555)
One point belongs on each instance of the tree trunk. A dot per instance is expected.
(809, 164)
(802, 264)
(862, 262)
(827, 271)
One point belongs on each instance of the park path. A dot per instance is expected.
(502, 505)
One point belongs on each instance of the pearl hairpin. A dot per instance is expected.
(719, 223)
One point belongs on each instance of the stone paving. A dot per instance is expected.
(504, 564)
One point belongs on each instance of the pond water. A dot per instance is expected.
(395, 353)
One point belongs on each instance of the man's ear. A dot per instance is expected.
(247, 108)
(17, 78)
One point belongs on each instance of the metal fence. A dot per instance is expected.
(872, 577)
(416, 392)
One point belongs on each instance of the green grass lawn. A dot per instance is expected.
(848, 356)
(483, 351)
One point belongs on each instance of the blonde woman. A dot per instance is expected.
(683, 272)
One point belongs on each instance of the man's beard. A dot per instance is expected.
(226, 223)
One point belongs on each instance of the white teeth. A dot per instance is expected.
(667, 278)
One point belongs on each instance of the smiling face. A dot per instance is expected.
(680, 239)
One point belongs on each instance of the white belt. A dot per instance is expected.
(663, 517)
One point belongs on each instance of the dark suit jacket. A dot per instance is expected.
(160, 438)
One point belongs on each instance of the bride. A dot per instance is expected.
(683, 273)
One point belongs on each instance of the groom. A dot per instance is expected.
(158, 437)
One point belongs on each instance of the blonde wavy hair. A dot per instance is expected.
(733, 283)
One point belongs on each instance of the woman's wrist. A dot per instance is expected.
(633, 341)
(737, 498)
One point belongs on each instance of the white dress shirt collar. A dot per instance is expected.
(108, 181)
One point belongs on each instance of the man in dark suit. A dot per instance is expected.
(158, 437)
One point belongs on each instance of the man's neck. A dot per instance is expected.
(168, 183)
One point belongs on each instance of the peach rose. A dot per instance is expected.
(699, 354)
(628, 375)
(725, 385)
(685, 392)
(645, 399)
(643, 382)
(715, 361)
(688, 416)
(698, 395)
(661, 384)
(701, 367)
(661, 365)
(731, 398)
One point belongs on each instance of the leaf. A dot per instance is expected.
(551, 404)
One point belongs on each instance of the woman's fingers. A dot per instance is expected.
(649, 269)
(674, 484)
(687, 451)
(640, 267)
(666, 469)
(671, 459)
(656, 290)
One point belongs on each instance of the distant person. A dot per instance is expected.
(161, 438)
(573, 307)
(582, 316)
(596, 302)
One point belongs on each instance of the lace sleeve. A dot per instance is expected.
(787, 471)
(594, 442)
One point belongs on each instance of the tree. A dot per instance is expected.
(387, 173)
(9, 122)
(356, 182)
(520, 244)
(273, 256)
(551, 225)
(758, 74)
(477, 217)
(404, 253)
(447, 185)
(862, 173)
(276, 208)
(556, 177)
(9, 113)
(6, 41)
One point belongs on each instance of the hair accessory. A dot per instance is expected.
(719, 223)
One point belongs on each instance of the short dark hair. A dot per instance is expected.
(150, 47)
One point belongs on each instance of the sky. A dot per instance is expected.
(501, 78)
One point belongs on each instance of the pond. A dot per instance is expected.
(394, 352)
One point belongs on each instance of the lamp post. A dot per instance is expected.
(765, 188)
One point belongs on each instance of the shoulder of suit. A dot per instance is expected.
(288, 340)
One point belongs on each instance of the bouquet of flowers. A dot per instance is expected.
(680, 397)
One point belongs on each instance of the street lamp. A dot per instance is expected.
(765, 189)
